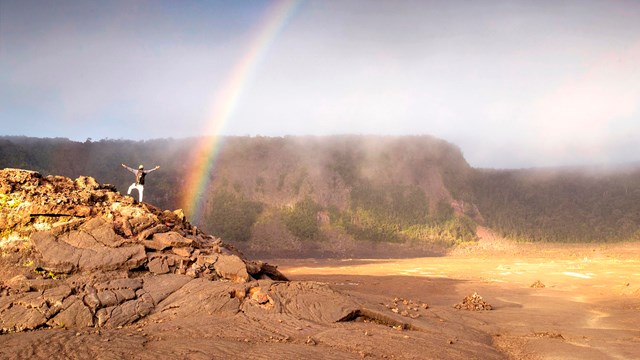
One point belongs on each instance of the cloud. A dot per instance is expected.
(588, 113)
(512, 83)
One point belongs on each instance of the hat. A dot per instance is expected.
(140, 167)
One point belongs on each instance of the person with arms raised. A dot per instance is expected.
(139, 183)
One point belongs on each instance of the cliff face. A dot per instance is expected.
(334, 196)
(291, 196)
(281, 171)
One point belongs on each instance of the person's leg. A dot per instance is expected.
(133, 186)
(140, 190)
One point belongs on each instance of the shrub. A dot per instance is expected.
(231, 217)
(301, 220)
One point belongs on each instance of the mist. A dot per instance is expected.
(513, 84)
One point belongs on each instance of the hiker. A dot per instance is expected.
(140, 174)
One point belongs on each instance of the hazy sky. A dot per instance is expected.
(512, 83)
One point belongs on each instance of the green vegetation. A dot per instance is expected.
(451, 231)
(366, 225)
(404, 205)
(561, 206)
(392, 213)
(231, 217)
(302, 219)
(380, 212)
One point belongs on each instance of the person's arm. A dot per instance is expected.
(154, 169)
(128, 168)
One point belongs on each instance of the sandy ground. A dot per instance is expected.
(589, 307)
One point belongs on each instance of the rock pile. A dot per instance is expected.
(77, 253)
(406, 307)
(473, 302)
(537, 284)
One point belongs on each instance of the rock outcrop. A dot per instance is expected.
(78, 253)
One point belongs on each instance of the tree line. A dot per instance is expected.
(390, 189)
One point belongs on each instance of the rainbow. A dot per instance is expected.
(206, 151)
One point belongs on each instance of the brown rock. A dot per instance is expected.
(86, 182)
(161, 286)
(122, 315)
(182, 251)
(55, 296)
(259, 296)
(179, 214)
(158, 266)
(19, 282)
(79, 252)
(206, 259)
(172, 239)
(21, 318)
(82, 211)
(88, 241)
(75, 314)
(126, 228)
(103, 232)
(537, 284)
(142, 222)
(135, 284)
(473, 302)
(154, 244)
(161, 228)
(92, 300)
(232, 268)
(107, 298)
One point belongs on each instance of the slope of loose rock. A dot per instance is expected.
(89, 256)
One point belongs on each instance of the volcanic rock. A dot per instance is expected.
(537, 284)
(473, 302)
(88, 256)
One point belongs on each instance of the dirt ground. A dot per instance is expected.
(548, 302)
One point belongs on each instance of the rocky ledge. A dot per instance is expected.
(78, 253)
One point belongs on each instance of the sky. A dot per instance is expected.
(512, 83)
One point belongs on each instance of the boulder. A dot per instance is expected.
(232, 268)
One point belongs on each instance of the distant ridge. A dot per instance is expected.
(333, 195)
